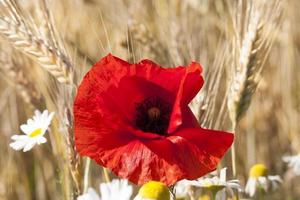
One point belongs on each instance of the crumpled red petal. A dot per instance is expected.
(168, 78)
(197, 151)
(190, 85)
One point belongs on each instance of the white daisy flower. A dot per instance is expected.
(183, 188)
(293, 162)
(219, 181)
(259, 179)
(34, 131)
(115, 190)
(214, 184)
(91, 194)
(218, 184)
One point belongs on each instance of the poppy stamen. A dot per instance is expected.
(153, 115)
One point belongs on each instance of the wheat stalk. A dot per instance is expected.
(74, 158)
(64, 102)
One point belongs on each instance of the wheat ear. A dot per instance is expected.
(16, 76)
(253, 52)
(254, 49)
(244, 81)
(37, 49)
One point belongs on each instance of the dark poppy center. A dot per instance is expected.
(153, 115)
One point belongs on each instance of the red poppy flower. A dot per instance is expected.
(134, 119)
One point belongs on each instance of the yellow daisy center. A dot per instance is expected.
(155, 190)
(212, 186)
(208, 185)
(258, 170)
(35, 133)
(204, 197)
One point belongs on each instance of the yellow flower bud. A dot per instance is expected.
(258, 170)
(153, 190)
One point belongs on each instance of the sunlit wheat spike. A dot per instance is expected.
(37, 49)
(249, 62)
(139, 37)
(244, 82)
(16, 76)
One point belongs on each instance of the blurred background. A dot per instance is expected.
(249, 51)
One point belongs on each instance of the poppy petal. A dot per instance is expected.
(185, 82)
(214, 142)
(116, 93)
(141, 161)
(189, 87)
(97, 109)
(168, 78)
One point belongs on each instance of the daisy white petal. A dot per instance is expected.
(182, 188)
(218, 184)
(275, 181)
(223, 175)
(30, 122)
(18, 145)
(19, 137)
(30, 144)
(90, 195)
(293, 162)
(37, 113)
(25, 128)
(219, 181)
(117, 189)
(44, 116)
(41, 140)
(251, 187)
(49, 118)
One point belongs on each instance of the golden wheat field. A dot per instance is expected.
(249, 51)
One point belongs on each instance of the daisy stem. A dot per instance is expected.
(260, 195)
(106, 175)
(236, 194)
(172, 191)
(213, 194)
(86, 175)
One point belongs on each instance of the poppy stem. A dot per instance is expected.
(233, 159)
(233, 154)
(86, 175)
